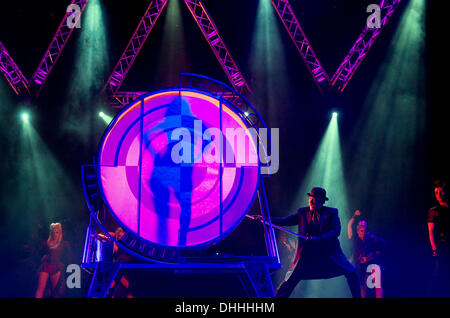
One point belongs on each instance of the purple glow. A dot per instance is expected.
(173, 204)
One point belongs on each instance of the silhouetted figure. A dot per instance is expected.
(439, 236)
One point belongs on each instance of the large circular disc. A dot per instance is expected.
(179, 168)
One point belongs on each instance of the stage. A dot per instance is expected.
(168, 138)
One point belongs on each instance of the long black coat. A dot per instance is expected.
(321, 258)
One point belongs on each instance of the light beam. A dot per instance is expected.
(326, 171)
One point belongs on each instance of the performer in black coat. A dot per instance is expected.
(319, 254)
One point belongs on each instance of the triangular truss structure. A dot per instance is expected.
(13, 74)
(210, 32)
(353, 59)
(22, 86)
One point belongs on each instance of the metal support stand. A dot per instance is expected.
(104, 275)
(253, 275)
(259, 281)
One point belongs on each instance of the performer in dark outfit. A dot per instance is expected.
(439, 236)
(368, 249)
(319, 255)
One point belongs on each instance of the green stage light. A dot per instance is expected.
(90, 69)
(326, 171)
(44, 189)
(106, 118)
(25, 117)
(388, 137)
(268, 63)
(173, 59)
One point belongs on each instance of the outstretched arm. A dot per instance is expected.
(350, 224)
(350, 228)
(290, 220)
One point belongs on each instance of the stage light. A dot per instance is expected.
(90, 69)
(106, 118)
(268, 64)
(25, 117)
(326, 170)
(92, 62)
(174, 59)
(43, 189)
(388, 135)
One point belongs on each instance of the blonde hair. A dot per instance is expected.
(52, 242)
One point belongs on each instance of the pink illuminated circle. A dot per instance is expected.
(178, 204)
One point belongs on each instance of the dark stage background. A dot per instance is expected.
(391, 155)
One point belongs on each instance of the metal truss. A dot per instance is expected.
(290, 22)
(362, 46)
(211, 34)
(134, 46)
(353, 59)
(11, 71)
(119, 99)
(55, 49)
(13, 74)
(339, 81)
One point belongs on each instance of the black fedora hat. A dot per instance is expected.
(318, 193)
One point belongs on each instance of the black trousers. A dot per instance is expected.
(286, 288)
(439, 284)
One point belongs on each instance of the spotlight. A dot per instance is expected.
(106, 118)
(25, 117)
(335, 114)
